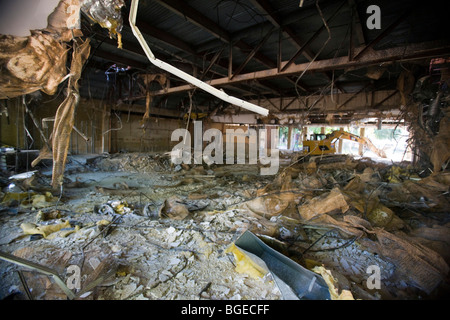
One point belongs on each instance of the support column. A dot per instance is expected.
(304, 133)
(106, 125)
(361, 146)
(341, 142)
(289, 138)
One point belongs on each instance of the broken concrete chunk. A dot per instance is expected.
(174, 209)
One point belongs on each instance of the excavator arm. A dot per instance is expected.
(340, 134)
(322, 145)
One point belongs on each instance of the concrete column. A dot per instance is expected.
(361, 134)
(304, 133)
(289, 138)
(341, 142)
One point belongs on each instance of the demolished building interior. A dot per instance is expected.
(349, 97)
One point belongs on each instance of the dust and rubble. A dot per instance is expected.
(139, 227)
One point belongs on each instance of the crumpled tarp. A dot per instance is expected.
(29, 64)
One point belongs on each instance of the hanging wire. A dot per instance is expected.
(115, 129)
(317, 54)
(320, 51)
(321, 92)
(250, 10)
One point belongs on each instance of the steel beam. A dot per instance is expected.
(411, 52)
(164, 36)
(119, 59)
(357, 24)
(354, 95)
(265, 7)
(197, 18)
(311, 39)
(252, 54)
(385, 99)
(383, 34)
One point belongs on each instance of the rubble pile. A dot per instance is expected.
(146, 233)
(134, 162)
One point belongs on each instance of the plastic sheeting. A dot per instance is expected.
(29, 64)
(107, 14)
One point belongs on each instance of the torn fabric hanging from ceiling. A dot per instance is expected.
(38, 62)
(65, 115)
(33, 63)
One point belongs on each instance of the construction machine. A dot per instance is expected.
(324, 144)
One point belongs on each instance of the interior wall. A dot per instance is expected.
(88, 121)
(116, 131)
(86, 138)
(11, 124)
(132, 134)
(99, 129)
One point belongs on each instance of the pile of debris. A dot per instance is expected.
(134, 162)
(175, 234)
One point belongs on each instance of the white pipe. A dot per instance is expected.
(183, 75)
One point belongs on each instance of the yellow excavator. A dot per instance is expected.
(324, 144)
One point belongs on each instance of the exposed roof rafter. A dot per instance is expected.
(411, 52)
(265, 7)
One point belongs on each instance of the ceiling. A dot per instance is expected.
(264, 49)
